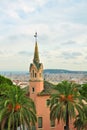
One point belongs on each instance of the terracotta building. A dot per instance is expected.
(40, 91)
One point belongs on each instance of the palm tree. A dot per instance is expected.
(81, 123)
(66, 102)
(17, 110)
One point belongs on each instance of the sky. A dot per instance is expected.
(61, 26)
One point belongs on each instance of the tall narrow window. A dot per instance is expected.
(33, 89)
(52, 123)
(40, 122)
(33, 73)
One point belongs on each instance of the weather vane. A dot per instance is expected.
(35, 36)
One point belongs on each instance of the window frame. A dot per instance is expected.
(52, 123)
(33, 89)
(40, 122)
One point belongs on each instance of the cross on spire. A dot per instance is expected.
(35, 36)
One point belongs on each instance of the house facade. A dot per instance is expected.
(40, 93)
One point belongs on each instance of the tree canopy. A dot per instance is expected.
(16, 109)
(66, 102)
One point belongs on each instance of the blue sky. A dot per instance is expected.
(62, 33)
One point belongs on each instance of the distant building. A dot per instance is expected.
(40, 91)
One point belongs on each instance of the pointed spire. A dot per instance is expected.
(36, 54)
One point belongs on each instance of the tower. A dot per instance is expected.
(36, 73)
(40, 91)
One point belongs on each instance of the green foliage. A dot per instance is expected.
(66, 102)
(80, 123)
(5, 85)
(4, 80)
(83, 121)
(16, 109)
(83, 90)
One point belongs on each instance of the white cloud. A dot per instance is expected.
(60, 28)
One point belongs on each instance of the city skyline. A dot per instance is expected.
(61, 26)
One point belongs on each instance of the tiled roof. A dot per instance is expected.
(37, 65)
(48, 89)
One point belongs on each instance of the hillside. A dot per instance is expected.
(55, 71)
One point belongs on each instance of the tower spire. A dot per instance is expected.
(36, 53)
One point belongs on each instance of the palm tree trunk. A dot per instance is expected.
(20, 127)
(67, 118)
(3, 124)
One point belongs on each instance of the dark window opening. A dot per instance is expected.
(39, 122)
(52, 123)
(33, 89)
(47, 102)
(35, 75)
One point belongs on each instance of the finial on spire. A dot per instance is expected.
(35, 36)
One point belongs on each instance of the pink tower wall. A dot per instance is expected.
(42, 109)
(38, 86)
